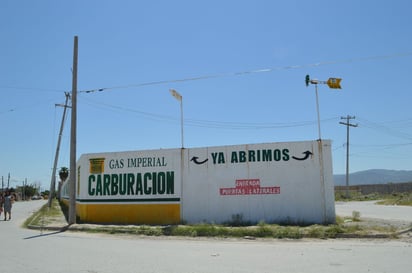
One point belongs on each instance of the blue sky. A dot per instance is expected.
(251, 58)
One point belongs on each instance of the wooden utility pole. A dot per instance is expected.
(56, 157)
(73, 139)
(348, 124)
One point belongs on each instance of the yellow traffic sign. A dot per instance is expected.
(334, 83)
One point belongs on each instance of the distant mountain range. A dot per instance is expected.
(376, 176)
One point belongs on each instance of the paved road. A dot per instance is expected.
(368, 209)
(32, 251)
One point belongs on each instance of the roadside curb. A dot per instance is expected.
(58, 223)
(51, 228)
(405, 231)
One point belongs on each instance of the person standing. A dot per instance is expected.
(1, 203)
(8, 202)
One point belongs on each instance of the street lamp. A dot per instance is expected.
(315, 82)
(333, 83)
(179, 97)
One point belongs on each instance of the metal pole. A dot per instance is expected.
(56, 157)
(320, 151)
(322, 180)
(181, 120)
(179, 97)
(181, 154)
(73, 139)
(317, 110)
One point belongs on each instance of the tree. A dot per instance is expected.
(45, 193)
(27, 191)
(63, 174)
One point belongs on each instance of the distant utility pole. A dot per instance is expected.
(73, 139)
(56, 158)
(24, 189)
(348, 124)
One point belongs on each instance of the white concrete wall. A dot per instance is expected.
(220, 183)
(304, 197)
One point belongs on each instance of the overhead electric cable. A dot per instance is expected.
(376, 126)
(221, 75)
(265, 70)
(393, 145)
(232, 125)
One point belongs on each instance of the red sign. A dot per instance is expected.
(249, 187)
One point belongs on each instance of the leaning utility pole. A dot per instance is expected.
(73, 140)
(348, 124)
(56, 157)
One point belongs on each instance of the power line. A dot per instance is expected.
(220, 75)
(379, 127)
(242, 73)
(230, 125)
(393, 145)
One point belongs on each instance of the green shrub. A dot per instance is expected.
(355, 216)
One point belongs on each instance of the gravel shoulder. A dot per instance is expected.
(378, 217)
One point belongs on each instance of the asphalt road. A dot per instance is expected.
(368, 209)
(34, 251)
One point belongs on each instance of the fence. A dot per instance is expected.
(377, 188)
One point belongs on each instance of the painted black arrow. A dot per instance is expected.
(195, 158)
(307, 154)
